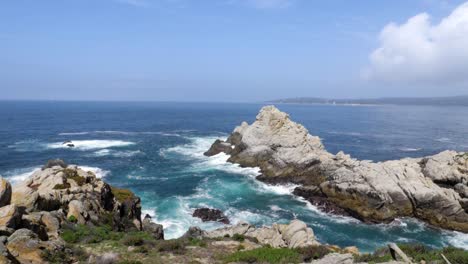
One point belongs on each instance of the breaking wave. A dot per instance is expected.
(90, 144)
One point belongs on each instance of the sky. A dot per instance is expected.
(231, 50)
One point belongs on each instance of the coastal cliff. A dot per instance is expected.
(433, 188)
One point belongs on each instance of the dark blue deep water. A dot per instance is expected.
(155, 149)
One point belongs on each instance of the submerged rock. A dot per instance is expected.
(208, 214)
(430, 188)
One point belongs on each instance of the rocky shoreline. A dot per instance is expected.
(433, 189)
(63, 214)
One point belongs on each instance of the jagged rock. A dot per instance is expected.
(5, 192)
(195, 232)
(335, 258)
(10, 216)
(427, 188)
(156, 230)
(208, 214)
(218, 147)
(25, 246)
(80, 193)
(76, 209)
(34, 223)
(5, 256)
(351, 250)
(294, 235)
(53, 163)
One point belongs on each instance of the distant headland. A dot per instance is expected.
(461, 100)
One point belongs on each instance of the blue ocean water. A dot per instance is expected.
(155, 149)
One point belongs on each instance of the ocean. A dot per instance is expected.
(156, 150)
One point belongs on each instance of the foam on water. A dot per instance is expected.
(90, 144)
(410, 149)
(458, 239)
(115, 153)
(100, 173)
(118, 132)
(18, 175)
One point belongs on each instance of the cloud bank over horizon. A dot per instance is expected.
(421, 52)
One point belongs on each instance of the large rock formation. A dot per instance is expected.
(58, 195)
(209, 214)
(432, 188)
(294, 235)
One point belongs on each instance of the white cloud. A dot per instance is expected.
(419, 51)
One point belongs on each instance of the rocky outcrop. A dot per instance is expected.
(430, 188)
(5, 192)
(57, 195)
(156, 230)
(208, 214)
(294, 235)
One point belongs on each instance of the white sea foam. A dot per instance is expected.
(116, 153)
(142, 178)
(457, 239)
(410, 149)
(91, 144)
(73, 133)
(18, 175)
(275, 208)
(119, 132)
(100, 173)
(443, 139)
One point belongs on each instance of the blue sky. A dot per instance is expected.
(231, 50)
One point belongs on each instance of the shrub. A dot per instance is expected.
(313, 252)
(265, 254)
(238, 237)
(58, 257)
(133, 240)
(72, 219)
(196, 242)
(175, 246)
(59, 186)
(122, 195)
(86, 234)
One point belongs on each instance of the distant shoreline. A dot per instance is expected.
(432, 101)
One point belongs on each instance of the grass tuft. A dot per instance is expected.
(265, 255)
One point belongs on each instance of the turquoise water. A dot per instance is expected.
(156, 149)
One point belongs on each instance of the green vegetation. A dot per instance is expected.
(265, 254)
(86, 234)
(122, 195)
(66, 185)
(175, 246)
(136, 238)
(238, 237)
(72, 219)
(313, 252)
(73, 175)
(60, 257)
(417, 253)
(196, 242)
